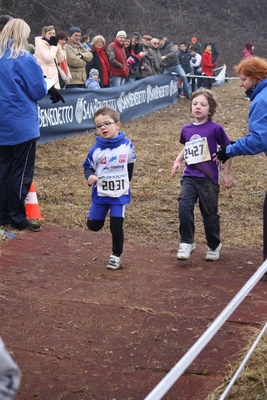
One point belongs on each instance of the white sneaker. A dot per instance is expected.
(114, 262)
(213, 255)
(185, 250)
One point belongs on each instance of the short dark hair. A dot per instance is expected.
(193, 48)
(61, 36)
(111, 112)
(136, 35)
(4, 20)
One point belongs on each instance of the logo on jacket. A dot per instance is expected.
(122, 158)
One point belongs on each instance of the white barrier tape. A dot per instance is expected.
(211, 77)
(243, 363)
(166, 383)
(205, 76)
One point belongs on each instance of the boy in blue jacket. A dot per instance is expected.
(108, 168)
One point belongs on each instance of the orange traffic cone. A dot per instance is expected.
(32, 206)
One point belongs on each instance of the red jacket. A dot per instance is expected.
(117, 59)
(206, 63)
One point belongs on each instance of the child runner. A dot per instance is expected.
(108, 168)
(201, 175)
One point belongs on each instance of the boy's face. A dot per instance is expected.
(95, 77)
(182, 47)
(106, 127)
(200, 108)
(193, 53)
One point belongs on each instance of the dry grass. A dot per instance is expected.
(64, 197)
(251, 383)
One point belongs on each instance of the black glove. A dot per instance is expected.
(55, 96)
(53, 41)
(221, 154)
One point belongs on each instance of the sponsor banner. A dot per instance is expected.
(132, 100)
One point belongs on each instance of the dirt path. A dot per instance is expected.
(79, 331)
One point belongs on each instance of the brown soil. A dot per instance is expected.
(79, 331)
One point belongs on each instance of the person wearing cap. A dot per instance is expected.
(171, 62)
(248, 50)
(117, 58)
(93, 81)
(154, 45)
(194, 43)
(77, 57)
(147, 63)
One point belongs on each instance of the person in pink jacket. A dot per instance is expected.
(48, 52)
(248, 50)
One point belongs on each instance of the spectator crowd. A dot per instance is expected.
(74, 60)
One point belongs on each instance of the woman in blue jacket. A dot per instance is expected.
(253, 78)
(22, 84)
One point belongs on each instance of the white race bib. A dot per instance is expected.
(113, 186)
(197, 151)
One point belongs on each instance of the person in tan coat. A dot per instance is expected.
(48, 52)
(77, 57)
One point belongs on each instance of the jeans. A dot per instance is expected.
(178, 69)
(116, 81)
(204, 190)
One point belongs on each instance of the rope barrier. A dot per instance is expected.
(165, 384)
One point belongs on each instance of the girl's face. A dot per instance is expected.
(127, 43)
(62, 42)
(200, 108)
(49, 34)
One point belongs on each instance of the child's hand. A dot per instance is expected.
(176, 166)
(92, 179)
(227, 181)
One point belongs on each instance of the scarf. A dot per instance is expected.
(104, 64)
(64, 66)
(110, 143)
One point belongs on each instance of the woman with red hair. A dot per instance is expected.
(253, 78)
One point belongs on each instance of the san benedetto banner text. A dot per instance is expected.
(132, 100)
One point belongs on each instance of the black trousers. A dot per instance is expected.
(16, 174)
(116, 229)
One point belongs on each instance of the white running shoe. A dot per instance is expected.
(213, 255)
(185, 250)
(114, 262)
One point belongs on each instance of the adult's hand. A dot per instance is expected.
(55, 96)
(53, 41)
(221, 154)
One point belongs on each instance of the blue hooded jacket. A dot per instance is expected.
(256, 141)
(22, 84)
